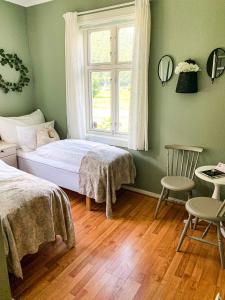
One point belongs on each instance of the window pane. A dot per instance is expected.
(124, 100)
(100, 46)
(125, 44)
(101, 100)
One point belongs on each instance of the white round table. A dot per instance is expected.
(216, 181)
(217, 184)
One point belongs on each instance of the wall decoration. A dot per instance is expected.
(188, 80)
(165, 68)
(14, 62)
(216, 63)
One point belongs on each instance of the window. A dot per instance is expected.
(108, 61)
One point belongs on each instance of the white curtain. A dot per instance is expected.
(138, 121)
(74, 77)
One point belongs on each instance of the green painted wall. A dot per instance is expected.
(182, 28)
(13, 38)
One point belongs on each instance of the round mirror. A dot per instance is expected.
(165, 68)
(216, 63)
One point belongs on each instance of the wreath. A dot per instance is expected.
(14, 62)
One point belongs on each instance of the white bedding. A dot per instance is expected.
(64, 154)
(7, 172)
(33, 212)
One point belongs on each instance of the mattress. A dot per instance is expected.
(35, 157)
(64, 154)
(57, 172)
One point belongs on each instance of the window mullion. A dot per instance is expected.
(116, 101)
(114, 77)
(113, 108)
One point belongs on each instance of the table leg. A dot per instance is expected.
(216, 195)
(216, 192)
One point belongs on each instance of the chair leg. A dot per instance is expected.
(206, 230)
(220, 245)
(184, 232)
(189, 194)
(167, 196)
(195, 222)
(161, 198)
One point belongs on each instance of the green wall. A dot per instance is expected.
(14, 39)
(182, 28)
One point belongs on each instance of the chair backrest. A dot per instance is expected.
(182, 160)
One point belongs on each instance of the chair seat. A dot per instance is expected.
(204, 208)
(177, 183)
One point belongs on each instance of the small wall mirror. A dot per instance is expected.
(165, 68)
(216, 63)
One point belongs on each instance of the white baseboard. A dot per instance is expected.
(151, 194)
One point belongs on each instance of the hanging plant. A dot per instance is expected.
(188, 80)
(15, 63)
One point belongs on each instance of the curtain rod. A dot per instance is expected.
(106, 8)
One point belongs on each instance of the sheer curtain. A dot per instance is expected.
(138, 121)
(74, 77)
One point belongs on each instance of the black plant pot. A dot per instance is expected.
(187, 83)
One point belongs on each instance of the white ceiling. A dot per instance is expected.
(27, 3)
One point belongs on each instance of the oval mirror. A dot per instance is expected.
(216, 63)
(165, 68)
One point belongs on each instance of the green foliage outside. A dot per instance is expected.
(101, 80)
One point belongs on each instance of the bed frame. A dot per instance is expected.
(63, 178)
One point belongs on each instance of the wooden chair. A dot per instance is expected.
(181, 165)
(210, 210)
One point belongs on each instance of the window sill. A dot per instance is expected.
(110, 140)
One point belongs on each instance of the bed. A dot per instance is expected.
(92, 169)
(33, 211)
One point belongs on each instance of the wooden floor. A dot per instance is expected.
(129, 257)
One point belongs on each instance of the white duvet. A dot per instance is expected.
(7, 172)
(69, 152)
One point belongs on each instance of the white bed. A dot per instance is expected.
(60, 162)
(60, 173)
(63, 172)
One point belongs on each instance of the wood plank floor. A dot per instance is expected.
(129, 257)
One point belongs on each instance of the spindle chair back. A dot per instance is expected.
(182, 160)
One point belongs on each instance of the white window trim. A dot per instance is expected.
(117, 138)
(120, 17)
(114, 16)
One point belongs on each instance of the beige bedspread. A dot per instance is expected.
(103, 171)
(33, 211)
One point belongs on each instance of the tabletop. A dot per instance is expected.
(219, 181)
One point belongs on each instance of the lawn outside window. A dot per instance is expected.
(108, 72)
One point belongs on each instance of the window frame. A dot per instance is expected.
(114, 136)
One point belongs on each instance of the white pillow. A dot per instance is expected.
(27, 135)
(34, 118)
(8, 130)
(8, 125)
(46, 136)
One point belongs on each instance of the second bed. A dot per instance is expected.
(92, 169)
